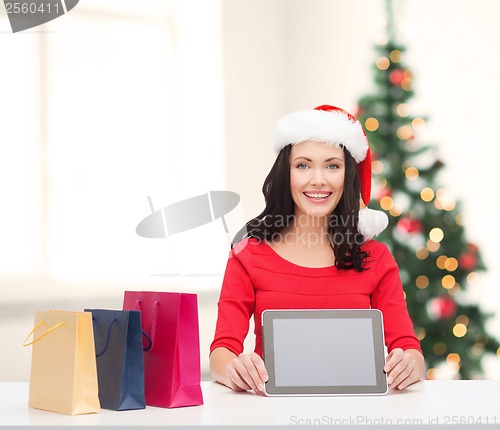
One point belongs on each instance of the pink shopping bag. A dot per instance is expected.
(172, 371)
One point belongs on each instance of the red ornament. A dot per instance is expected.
(467, 261)
(410, 225)
(396, 77)
(442, 307)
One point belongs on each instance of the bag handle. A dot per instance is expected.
(43, 334)
(147, 348)
(108, 338)
(154, 319)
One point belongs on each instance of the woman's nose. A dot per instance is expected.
(317, 177)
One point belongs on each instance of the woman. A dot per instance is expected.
(311, 248)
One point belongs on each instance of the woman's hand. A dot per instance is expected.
(403, 368)
(246, 372)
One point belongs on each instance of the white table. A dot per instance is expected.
(427, 402)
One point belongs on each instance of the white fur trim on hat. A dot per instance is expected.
(331, 127)
(371, 223)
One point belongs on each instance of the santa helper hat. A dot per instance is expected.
(335, 126)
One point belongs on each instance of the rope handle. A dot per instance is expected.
(150, 345)
(154, 319)
(43, 334)
(108, 337)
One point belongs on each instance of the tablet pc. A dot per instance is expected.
(324, 352)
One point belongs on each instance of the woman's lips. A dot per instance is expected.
(317, 197)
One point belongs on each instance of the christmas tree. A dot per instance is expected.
(425, 232)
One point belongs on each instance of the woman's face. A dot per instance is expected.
(317, 174)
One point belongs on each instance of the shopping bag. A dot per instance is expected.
(120, 364)
(172, 372)
(63, 366)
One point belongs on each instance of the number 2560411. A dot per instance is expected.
(33, 8)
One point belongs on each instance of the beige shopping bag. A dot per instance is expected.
(63, 365)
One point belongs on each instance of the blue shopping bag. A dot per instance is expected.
(119, 356)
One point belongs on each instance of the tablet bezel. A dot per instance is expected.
(374, 315)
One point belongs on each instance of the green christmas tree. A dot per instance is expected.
(425, 231)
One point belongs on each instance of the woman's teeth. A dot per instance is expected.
(317, 196)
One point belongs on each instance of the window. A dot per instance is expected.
(107, 105)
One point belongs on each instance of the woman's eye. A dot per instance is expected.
(301, 166)
(333, 166)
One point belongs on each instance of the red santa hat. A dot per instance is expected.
(334, 126)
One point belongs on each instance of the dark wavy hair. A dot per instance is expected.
(279, 212)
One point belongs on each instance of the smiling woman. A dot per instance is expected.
(322, 258)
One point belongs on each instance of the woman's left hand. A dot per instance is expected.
(403, 368)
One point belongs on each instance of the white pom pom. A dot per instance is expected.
(371, 223)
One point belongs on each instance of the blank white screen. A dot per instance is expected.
(324, 352)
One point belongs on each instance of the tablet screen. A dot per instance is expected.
(309, 352)
(342, 352)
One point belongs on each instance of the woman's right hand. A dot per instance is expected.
(246, 372)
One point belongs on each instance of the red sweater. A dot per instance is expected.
(257, 278)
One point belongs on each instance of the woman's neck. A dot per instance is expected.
(307, 232)
(305, 242)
